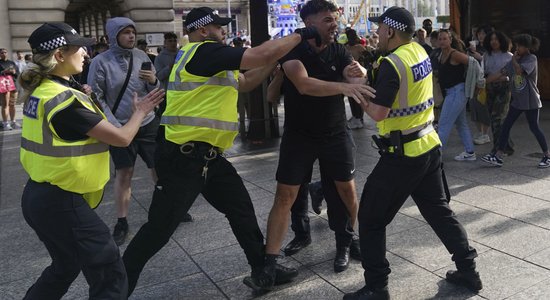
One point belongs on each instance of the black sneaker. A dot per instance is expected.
(298, 243)
(262, 280)
(187, 218)
(544, 162)
(492, 159)
(284, 274)
(469, 279)
(355, 250)
(120, 233)
(369, 294)
(316, 194)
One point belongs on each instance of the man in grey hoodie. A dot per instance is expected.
(165, 59)
(107, 75)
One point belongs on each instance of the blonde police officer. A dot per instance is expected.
(410, 162)
(64, 149)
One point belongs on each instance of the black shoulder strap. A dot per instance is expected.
(123, 89)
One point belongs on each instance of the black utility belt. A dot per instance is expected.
(397, 140)
(204, 149)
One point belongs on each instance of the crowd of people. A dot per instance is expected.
(86, 102)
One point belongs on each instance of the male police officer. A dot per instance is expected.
(201, 122)
(410, 162)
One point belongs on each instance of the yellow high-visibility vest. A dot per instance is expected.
(80, 167)
(200, 108)
(412, 109)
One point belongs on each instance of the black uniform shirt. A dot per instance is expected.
(212, 58)
(316, 116)
(386, 85)
(73, 122)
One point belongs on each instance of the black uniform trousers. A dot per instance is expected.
(76, 239)
(391, 182)
(180, 181)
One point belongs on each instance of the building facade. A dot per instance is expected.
(19, 18)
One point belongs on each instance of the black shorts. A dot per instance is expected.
(336, 154)
(143, 144)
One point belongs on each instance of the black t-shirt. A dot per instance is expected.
(386, 85)
(212, 58)
(6, 64)
(316, 116)
(73, 122)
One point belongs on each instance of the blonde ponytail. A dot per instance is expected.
(41, 66)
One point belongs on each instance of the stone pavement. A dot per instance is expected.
(506, 212)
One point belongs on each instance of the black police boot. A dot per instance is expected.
(297, 244)
(469, 279)
(341, 261)
(262, 279)
(284, 274)
(316, 194)
(120, 233)
(187, 218)
(355, 250)
(369, 294)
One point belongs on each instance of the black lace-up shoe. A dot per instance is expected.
(469, 279)
(341, 261)
(355, 250)
(120, 233)
(297, 244)
(283, 274)
(369, 294)
(261, 279)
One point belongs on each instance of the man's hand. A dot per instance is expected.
(355, 70)
(86, 89)
(359, 92)
(148, 75)
(308, 33)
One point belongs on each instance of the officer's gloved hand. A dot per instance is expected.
(309, 33)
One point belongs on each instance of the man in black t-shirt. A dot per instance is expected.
(315, 128)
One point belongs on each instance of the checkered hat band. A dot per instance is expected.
(407, 111)
(200, 22)
(394, 24)
(52, 44)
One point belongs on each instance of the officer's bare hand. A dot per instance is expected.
(146, 104)
(355, 70)
(148, 75)
(359, 92)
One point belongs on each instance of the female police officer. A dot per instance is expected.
(64, 149)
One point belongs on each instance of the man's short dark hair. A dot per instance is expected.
(170, 35)
(316, 6)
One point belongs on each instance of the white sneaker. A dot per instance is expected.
(355, 123)
(465, 156)
(7, 126)
(15, 125)
(482, 139)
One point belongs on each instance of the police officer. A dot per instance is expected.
(200, 123)
(64, 149)
(410, 162)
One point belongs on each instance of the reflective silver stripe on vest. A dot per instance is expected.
(403, 84)
(55, 101)
(402, 112)
(189, 86)
(202, 122)
(63, 151)
(183, 63)
(48, 149)
(178, 85)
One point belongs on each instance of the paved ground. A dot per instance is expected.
(506, 212)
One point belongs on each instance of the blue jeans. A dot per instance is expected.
(454, 113)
